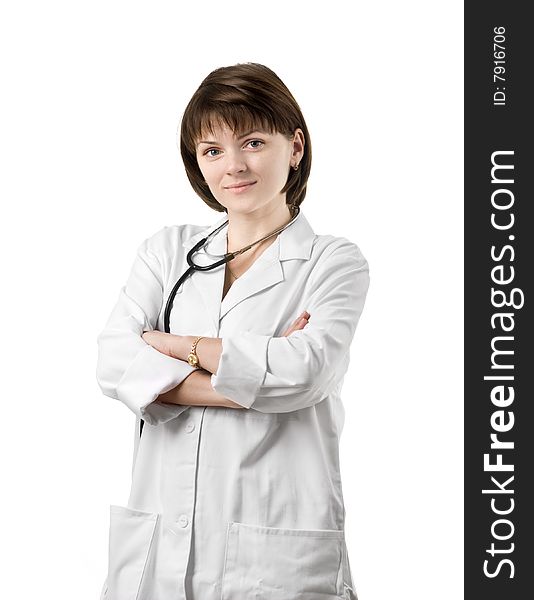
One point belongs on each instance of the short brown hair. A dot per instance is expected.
(244, 96)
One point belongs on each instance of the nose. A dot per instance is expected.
(235, 163)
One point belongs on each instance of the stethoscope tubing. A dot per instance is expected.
(192, 267)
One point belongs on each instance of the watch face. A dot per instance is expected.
(192, 360)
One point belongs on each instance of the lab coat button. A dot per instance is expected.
(189, 427)
(183, 521)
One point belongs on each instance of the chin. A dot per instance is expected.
(242, 205)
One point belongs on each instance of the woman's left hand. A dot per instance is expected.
(166, 343)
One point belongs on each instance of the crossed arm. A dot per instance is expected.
(296, 370)
(196, 389)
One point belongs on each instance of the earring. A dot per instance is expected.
(296, 166)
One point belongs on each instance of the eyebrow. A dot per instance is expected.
(239, 138)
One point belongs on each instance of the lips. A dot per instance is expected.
(240, 188)
(239, 185)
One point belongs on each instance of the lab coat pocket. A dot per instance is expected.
(131, 536)
(270, 563)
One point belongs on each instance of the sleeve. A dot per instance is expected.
(283, 374)
(129, 369)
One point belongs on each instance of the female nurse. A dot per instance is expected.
(236, 490)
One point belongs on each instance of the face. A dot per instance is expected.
(258, 159)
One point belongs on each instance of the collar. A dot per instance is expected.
(295, 241)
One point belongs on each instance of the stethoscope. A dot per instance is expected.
(225, 258)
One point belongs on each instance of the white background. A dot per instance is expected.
(92, 95)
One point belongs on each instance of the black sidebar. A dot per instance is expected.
(499, 255)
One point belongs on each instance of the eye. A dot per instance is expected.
(256, 142)
(211, 150)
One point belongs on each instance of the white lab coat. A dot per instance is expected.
(231, 504)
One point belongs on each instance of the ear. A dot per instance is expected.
(298, 146)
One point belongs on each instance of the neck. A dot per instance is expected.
(243, 229)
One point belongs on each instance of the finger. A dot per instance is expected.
(300, 324)
(296, 321)
(288, 331)
(291, 327)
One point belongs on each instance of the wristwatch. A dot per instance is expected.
(192, 357)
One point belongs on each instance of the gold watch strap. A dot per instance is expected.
(192, 357)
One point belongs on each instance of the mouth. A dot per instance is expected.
(239, 188)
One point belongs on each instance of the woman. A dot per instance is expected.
(236, 489)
